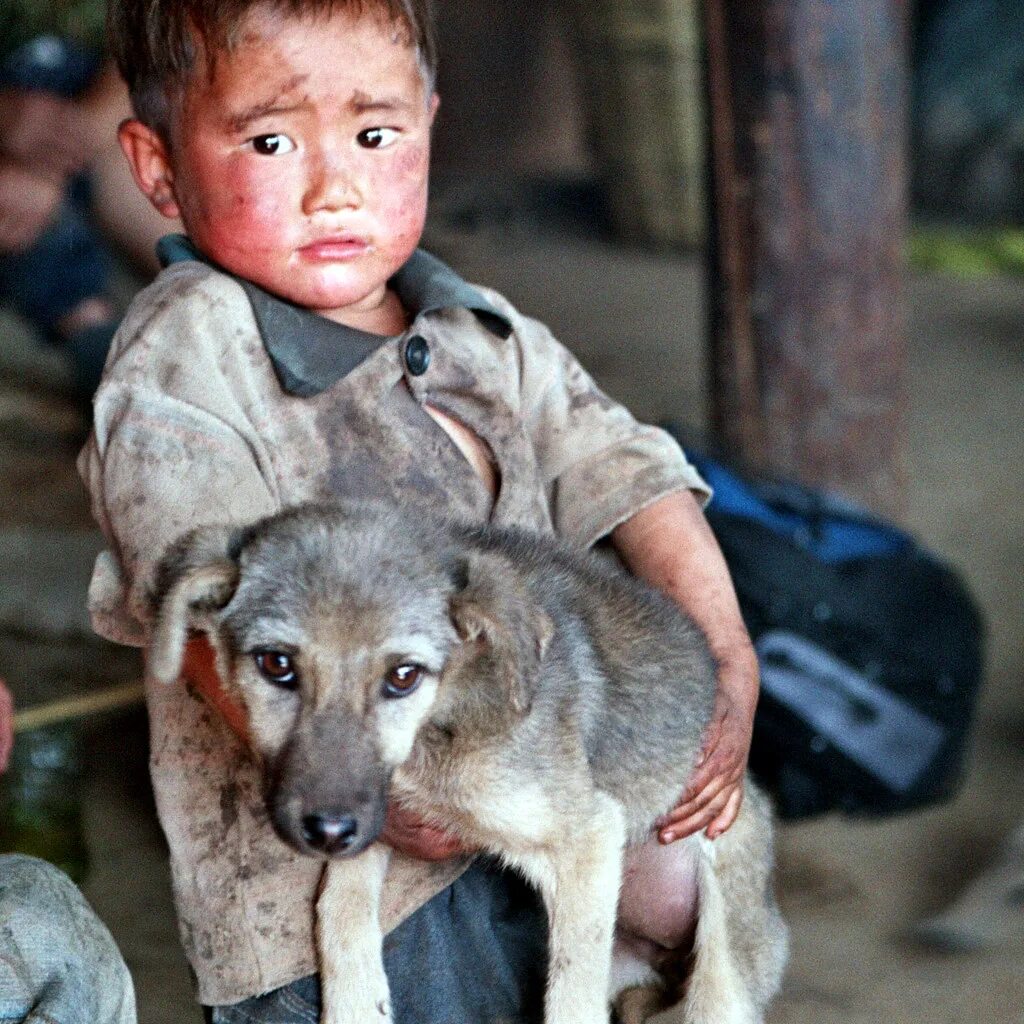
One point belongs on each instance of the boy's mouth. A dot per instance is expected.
(339, 247)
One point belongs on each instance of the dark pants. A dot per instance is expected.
(475, 954)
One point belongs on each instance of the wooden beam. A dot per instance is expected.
(70, 708)
(807, 103)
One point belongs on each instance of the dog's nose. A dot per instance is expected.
(329, 832)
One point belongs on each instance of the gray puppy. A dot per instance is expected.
(538, 701)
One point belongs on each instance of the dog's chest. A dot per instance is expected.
(494, 796)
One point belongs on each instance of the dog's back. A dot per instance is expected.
(623, 667)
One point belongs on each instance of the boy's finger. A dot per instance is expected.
(720, 764)
(727, 818)
(406, 832)
(687, 808)
(693, 816)
(715, 760)
(6, 726)
(695, 823)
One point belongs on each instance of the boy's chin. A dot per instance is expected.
(332, 299)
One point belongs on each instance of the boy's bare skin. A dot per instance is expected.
(301, 164)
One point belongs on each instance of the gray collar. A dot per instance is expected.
(311, 353)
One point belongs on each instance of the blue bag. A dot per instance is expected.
(870, 649)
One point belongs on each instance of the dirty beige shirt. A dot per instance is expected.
(202, 419)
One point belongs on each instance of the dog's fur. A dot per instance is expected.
(559, 712)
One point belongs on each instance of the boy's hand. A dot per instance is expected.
(714, 794)
(406, 832)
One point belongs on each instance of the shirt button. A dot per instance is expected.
(417, 355)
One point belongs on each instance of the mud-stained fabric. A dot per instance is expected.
(195, 424)
(58, 962)
(481, 948)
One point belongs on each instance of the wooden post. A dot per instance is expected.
(807, 105)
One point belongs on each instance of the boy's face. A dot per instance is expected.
(301, 165)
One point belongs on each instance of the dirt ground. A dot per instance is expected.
(849, 889)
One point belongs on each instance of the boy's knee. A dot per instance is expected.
(56, 956)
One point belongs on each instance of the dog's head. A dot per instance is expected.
(334, 627)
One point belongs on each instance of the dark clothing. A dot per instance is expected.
(480, 955)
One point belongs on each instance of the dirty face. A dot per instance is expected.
(301, 163)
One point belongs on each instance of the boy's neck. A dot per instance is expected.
(388, 318)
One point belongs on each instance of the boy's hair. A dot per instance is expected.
(154, 41)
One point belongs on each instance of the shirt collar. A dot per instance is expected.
(311, 353)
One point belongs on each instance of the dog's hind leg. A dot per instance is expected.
(716, 992)
(741, 940)
(579, 881)
(637, 990)
(353, 984)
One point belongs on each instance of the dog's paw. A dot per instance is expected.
(368, 1001)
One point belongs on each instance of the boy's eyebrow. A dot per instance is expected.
(362, 103)
(276, 105)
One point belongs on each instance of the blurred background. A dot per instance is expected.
(791, 230)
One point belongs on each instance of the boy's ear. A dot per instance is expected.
(150, 162)
(435, 102)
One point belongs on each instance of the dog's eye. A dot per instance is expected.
(277, 668)
(402, 680)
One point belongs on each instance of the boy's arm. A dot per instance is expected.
(670, 544)
(600, 465)
(200, 672)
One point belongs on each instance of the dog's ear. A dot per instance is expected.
(196, 578)
(493, 608)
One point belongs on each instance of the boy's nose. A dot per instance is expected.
(331, 186)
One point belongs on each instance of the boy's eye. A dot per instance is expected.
(377, 138)
(272, 145)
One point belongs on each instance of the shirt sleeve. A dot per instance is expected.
(159, 464)
(599, 464)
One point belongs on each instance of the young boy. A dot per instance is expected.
(300, 347)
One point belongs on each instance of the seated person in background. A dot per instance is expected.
(58, 961)
(64, 189)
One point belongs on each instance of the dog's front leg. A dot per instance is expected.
(579, 881)
(354, 988)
